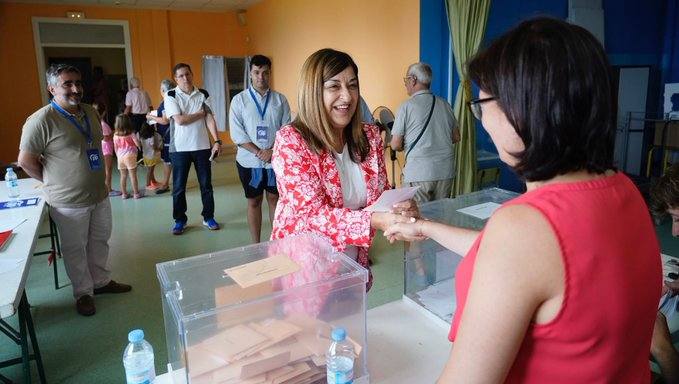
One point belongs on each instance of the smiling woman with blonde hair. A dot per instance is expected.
(329, 165)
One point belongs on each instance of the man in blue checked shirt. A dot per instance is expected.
(256, 114)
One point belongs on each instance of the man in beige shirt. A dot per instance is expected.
(426, 129)
(61, 146)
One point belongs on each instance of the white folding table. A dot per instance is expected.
(15, 261)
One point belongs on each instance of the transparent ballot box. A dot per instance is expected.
(429, 267)
(268, 318)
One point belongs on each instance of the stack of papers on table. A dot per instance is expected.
(271, 351)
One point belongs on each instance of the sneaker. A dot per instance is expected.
(113, 287)
(125, 196)
(162, 189)
(85, 305)
(138, 195)
(179, 227)
(211, 224)
(114, 193)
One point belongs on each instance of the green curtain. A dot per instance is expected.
(467, 25)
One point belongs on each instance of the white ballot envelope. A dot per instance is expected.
(482, 211)
(151, 121)
(391, 197)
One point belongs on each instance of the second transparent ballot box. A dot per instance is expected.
(262, 313)
(429, 267)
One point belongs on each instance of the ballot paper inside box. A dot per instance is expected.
(244, 330)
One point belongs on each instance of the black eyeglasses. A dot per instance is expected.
(475, 106)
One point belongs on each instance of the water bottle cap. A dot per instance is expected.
(135, 336)
(338, 334)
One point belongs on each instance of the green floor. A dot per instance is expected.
(77, 349)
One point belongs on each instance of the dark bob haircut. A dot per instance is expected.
(553, 82)
(260, 61)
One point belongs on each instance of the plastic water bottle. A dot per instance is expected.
(138, 359)
(12, 183)
(340, 358)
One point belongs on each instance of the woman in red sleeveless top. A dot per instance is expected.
(562, 285)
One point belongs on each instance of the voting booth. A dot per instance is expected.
(262, 313)
(429, 267)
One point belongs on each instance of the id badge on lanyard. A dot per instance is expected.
(93, 155)
(94, 158)
(262, 133)
(262, 128)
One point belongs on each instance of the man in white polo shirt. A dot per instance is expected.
(256, 114)
(190, 109)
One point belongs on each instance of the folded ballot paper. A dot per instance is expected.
(391, 197)
(288, 350)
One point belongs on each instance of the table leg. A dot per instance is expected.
(20, 337)
(25, 353)
(34, 341)
(55, 252)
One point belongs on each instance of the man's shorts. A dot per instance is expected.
(245, 175)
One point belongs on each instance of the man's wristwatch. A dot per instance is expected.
(218, 142)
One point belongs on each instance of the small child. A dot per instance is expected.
(126, 146)
(106, 148)
(151, 145)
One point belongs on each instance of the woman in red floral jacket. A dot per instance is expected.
(329, 165)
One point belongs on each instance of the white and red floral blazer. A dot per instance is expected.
(310, 192)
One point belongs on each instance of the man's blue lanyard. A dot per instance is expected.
(259, 107)
(85, 132)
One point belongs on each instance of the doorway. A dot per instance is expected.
(100, 49)
(103, 73)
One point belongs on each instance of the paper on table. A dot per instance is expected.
(7, 265)
(482, 211)
(20, 203)
(10, 224)
(262, 270)
(4, 239)
(391, 197)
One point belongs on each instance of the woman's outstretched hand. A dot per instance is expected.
(411, 230)
(382, 220)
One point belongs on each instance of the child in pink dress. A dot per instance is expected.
(126, 146)
(106, 147)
